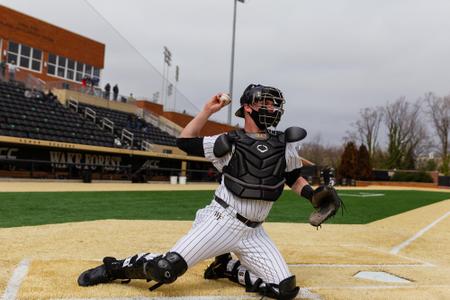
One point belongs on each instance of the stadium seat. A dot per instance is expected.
(40, 118)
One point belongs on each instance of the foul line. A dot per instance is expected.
(358, 265)
(303, 294)
(398, 248)
(16, 280)
(362, 195)
(378, 287)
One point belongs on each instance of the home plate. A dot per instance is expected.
(380, 276)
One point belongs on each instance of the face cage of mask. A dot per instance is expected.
(267, 118)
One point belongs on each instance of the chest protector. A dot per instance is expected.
(256, 169)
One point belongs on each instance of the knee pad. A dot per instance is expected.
(129, 268)
(165, 269)
(287, 289)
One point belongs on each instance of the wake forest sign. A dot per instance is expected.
(50, 159)
(61, 159)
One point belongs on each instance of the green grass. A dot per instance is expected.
(21, 209)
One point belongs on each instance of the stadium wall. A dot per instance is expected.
(35, 33)
(64, 95)
(29, 158)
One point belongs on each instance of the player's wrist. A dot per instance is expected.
(307, 192)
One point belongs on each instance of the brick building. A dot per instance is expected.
(47, 51)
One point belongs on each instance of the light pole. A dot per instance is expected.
(232, 60)
(167, 61)
(177, 77)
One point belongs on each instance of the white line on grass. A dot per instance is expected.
(398, 248)
(362, 195)
(16, 280)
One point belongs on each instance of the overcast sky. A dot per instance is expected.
(330, 58)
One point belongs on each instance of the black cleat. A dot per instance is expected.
(217, 269)
(100, 274)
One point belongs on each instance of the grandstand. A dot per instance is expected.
(53, 125)
(34, 115)
(139, 129)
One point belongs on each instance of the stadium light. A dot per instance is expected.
(167, 61)
(232, 60)
(177, 78)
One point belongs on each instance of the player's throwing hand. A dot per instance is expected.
(215, 103)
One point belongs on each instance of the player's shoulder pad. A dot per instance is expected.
(223, 144)
(294, 134)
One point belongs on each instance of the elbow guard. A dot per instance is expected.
(295, 134)
(192, 146)
(222, 145)
(292, 176)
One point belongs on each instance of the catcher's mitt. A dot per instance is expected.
(326, 202)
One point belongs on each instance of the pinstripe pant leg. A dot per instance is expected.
(259, 255)
(214, 232)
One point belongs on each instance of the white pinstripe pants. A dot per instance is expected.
(217, 231)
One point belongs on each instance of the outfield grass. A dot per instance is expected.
(21, 209)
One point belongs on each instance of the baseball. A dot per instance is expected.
(225, 99)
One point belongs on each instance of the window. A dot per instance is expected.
(36, 60)
(88, 70)
(13, 47)
(70, 69)
(24, 61)
(51, 69)
(26, 51)
(12, 58)
(13, 53)
(24, 56)
(52, 59)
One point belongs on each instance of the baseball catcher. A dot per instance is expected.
(255, 162)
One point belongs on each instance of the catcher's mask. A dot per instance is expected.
(266, 103)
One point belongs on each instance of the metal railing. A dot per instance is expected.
(88, 112)
(108, 124)
(146, 145)
(154, 120)
(72, 103)
(127, 136)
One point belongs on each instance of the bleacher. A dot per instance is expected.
(141, 130)
(32, 114)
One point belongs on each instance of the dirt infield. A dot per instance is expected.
(43, 262)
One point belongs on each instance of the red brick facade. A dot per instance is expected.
(48, 38)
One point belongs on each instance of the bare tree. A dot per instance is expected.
(320, 154)
(367, 127)
(439, 112)
(406, 133)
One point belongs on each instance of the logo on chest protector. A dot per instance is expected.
(262, 148)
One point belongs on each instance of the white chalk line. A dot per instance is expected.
(16, 280)
(416, 260)
(398, 248)
(375, 287)
(21, 271)
(303, 294)
(359, 265)
(164, 298)
(361, 195)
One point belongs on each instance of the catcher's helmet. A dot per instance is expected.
(271, 105)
